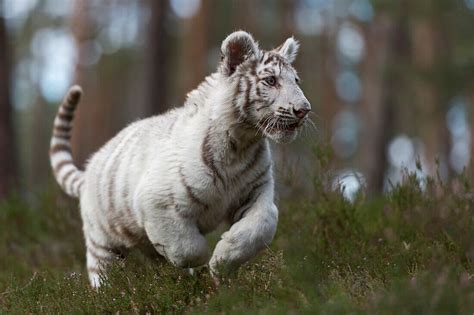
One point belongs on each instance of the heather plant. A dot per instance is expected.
(408, 251)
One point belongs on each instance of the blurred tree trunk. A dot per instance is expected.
(157, 58)
(471, 122)
(427, 55)
(287, 9)
(329, 102)
(39, 137)
(89, 126)
(110, 101)
(376, 104)
(244, 17)
(193, 59)
(104, 109)
(8, 171)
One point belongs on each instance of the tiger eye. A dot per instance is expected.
(271, 80)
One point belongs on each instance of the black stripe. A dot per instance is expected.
(60, 128)
(97, 256)
(190, 192)
(253, 68)
(62, 136)
(93, 270)
(70, 107)
(263, 106)
(114, 229)
(170, 130)
(60, 147)
(60, 165)
(104, 230)
(79, 188)
(65, 116)
(259, 176)
(255, 184)
(249, 201)
(73, 98)
(108, 175)
(125, 191)
(74, 181)
(129, 235)
(98, 246)
(258, 186)
(67, 175)
(247, 93)
(257, 155)
(237, 92)
(269, 59)
(208, 159)
(111, 182)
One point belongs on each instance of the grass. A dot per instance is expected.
(409, 252)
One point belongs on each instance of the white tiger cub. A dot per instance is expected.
(173, 178)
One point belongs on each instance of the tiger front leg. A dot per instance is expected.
(248, 236)
(178, 240)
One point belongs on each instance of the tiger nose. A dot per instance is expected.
(302, 110)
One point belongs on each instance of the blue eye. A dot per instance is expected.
(270, 80)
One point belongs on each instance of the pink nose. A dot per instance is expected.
(302, 111)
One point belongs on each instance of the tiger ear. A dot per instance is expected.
(235, 49)
(289, 49)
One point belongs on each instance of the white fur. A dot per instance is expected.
(289, 49)
(175, 177)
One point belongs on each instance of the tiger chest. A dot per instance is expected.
(211, 202)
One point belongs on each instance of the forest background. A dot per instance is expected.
(391, 85)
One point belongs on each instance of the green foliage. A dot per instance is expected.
(410, 252)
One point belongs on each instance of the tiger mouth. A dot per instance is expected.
(286, 127)
(281, 126)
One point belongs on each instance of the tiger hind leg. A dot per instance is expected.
(99, 256)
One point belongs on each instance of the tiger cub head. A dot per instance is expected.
(266, 91)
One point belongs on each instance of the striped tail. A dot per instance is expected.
(68, 176)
